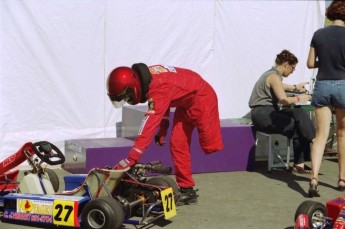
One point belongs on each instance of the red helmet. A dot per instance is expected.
(124, 85)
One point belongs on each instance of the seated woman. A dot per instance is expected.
(271, 110)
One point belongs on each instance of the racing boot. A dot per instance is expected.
(187, 196)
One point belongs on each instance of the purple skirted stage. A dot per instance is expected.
(238, 155)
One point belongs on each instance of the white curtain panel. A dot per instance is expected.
(56, 56)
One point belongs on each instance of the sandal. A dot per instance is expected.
(314, 188)
(341, 187)
(302, 170)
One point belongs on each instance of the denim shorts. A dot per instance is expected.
(329, 93)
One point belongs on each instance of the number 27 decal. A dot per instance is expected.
(64, 212)
(168, 202)
(60, 208)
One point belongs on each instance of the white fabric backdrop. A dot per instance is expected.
(56, 55)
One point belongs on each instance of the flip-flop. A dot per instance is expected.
(299, 169)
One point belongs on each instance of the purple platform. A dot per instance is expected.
(238, 155)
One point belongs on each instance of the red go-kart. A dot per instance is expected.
(312, 214)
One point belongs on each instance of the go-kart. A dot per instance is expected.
(312, 214)
(38, 180)
(105, 199)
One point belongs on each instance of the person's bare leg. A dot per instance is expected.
(323, 117)
(340, 119)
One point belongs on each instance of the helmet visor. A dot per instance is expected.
(118, 104)
(121, 98)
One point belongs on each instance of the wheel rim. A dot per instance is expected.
(96, 218)
(317, 219)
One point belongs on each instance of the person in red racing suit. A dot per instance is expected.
(163, 87)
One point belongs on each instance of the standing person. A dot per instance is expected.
(269, 116)
(164, 87)
(327, 53)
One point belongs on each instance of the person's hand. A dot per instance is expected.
(163, 129)
(301, 87)
(123, 164)
(133, 156)
(160, 140)
(304, 98)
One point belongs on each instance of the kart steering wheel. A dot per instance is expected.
(48, 153)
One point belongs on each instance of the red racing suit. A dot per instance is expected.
(196, 105)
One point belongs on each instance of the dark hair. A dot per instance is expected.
(286, 56)
(336, 11)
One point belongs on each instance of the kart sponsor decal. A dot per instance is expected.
(143, 124)
(66, 213)
(339, 223)
(63, 197)
(37, 211)
(40, 207)
(20, 216)
(8, 160)
(302, 222)
(168, 202)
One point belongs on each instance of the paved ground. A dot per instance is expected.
(246, 199)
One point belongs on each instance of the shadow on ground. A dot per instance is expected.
(292, 179)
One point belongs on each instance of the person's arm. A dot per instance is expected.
(312, 62)
(296, 87)
(158, 109)
(274, 81)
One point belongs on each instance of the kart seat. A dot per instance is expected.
(99, 182)
(8, 181)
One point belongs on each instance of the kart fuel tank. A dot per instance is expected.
(32, 184)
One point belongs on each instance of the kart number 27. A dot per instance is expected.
(168, 202)
(63, 213)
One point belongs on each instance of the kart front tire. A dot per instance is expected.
(314, 210)
(102, 213)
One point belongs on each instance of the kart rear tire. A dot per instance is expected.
(312, 209)
(164, 181)
(102, 213)
(54, 179)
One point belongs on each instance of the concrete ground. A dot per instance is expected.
(245, 200)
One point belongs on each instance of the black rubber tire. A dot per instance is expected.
(311, 209)
(102, 213)
(54, 179)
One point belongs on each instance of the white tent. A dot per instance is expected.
(56, 55)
